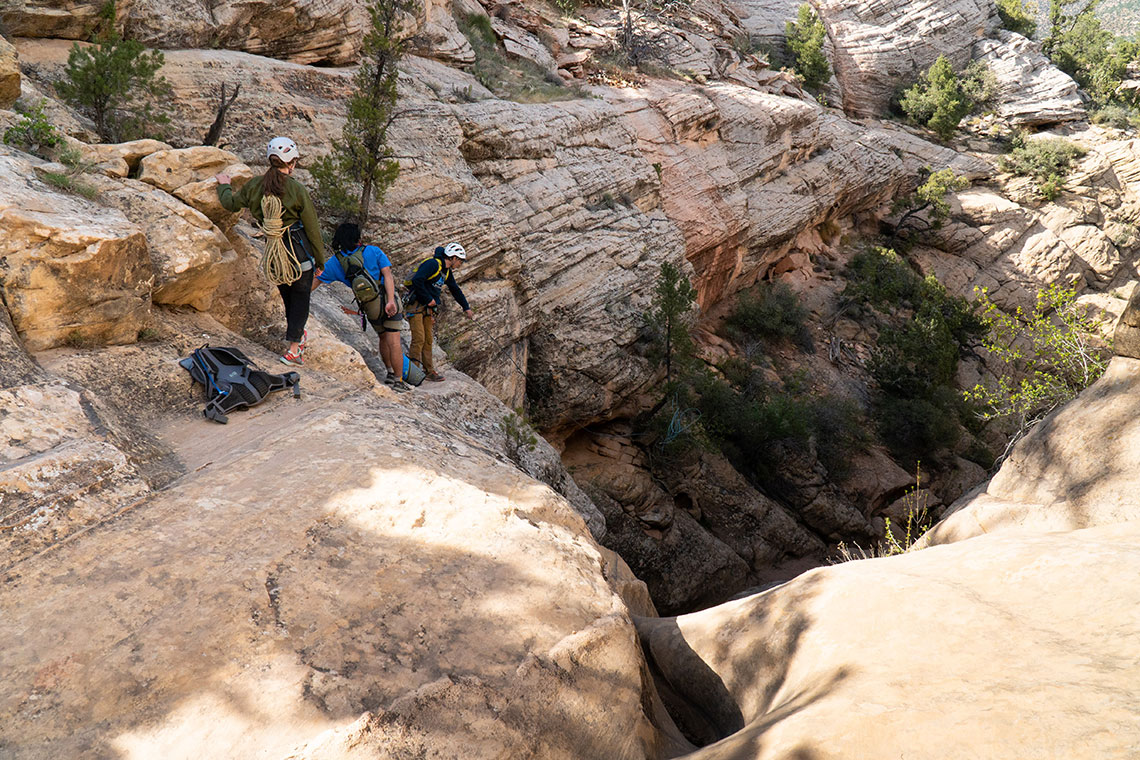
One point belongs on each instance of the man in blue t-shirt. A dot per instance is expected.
(386, 319)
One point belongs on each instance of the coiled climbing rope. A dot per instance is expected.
(278, 262)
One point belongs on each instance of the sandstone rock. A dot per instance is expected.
(1126, 339)
(9, 74)
(203, 195)
(188, 253)
(67, 19)
(1075, 469)
(1031, 90)
(73, 269)
(878, 46)
(129, 153)
(171, 169)
(522, 44)
(420, 571)
(970, 687)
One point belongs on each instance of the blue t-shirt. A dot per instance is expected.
(374, 261)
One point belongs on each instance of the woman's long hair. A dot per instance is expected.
(274, 182)
(346, 237)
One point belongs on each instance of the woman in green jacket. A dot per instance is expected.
(302, 234)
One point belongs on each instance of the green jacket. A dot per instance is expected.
(295, 205)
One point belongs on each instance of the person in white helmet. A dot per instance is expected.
(299, 218)
(424, 292)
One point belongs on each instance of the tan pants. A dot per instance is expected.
(420, 350)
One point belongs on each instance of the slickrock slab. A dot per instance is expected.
(1003, 646)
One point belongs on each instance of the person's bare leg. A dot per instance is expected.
(386, 355)
(394, 353)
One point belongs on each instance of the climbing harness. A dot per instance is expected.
(278, 263)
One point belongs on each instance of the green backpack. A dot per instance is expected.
(365, 289)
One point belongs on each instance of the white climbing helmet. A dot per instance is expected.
(456, 250)
(284, 148)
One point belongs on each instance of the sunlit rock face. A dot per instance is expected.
(828, 665)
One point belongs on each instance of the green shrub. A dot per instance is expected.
(1018, 16)
(879, 277)
(937, 100)
(805, 38)
(917, 428)
(34, 133)
(770, 311)
(1080, 46)
(1116, 115)
(1054, 349)
(70, 183)
(116, 83)
(840, 429)
(1048, 161)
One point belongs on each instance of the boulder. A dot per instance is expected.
(128, 154)
(880, 46)
(66, 19)
(74, 270)
(203, 195)
(171, 169)
(9, 74)
(1031, 91)
(825, 666)
(189, 255)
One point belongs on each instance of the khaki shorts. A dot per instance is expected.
(384, 323)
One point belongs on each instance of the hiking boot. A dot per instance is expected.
(292, 359)
(390, 378)
(400, 386)
(435, 377)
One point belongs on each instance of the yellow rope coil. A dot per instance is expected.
(278, 263)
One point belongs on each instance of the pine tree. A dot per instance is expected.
(360, 168)
(669, 319)
(805, 39)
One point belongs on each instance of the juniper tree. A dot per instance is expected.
(116, 83)
(360, 168)
(805, 40)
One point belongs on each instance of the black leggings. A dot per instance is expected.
(296, 297)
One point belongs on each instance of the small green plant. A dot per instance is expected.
(78, 339)
(116, 83)
(519, 433)
(1116, 115)
(70, 183)
(1047, 160)
(895, 541)
(1054, 349)
(34, 133)
(805, 38)
(148, 334)
(1018, 16)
